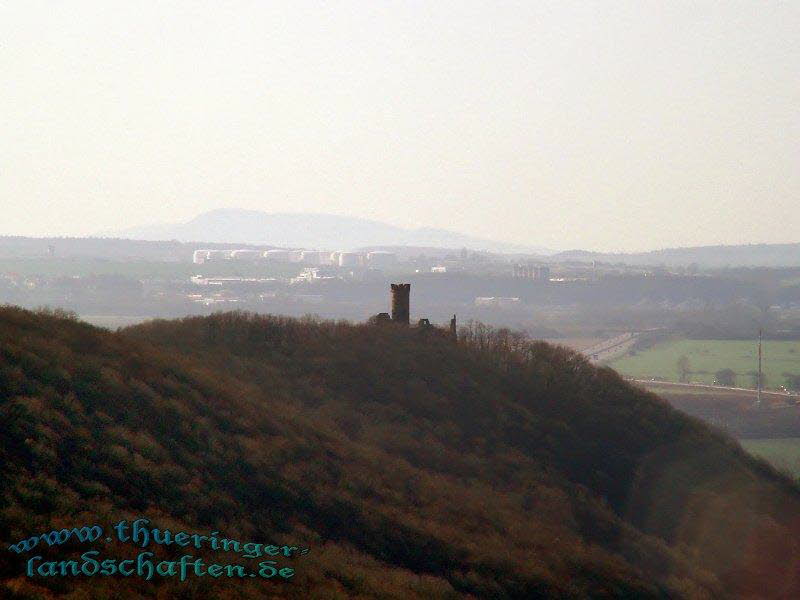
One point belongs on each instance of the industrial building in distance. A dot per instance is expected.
(376, 259)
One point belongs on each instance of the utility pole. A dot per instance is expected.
(758, 380)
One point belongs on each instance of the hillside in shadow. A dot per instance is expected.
(411, 466)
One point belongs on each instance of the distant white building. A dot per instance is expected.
(199, 256)
(314, 257)
(537, 273)
(496, 302)
(217, 255)
(439, 269)
(314, 274)
(284, 256)
(246, 255)
(379, 259)
(350, 259)
(237, 282)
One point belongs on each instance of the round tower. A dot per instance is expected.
(401, 303)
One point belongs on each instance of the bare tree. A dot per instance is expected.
(684, 368)
(726, 377)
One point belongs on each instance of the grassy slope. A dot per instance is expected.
(711, 356)
(412, 468)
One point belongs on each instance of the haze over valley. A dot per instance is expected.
(399, 301)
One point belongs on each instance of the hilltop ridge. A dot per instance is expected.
(412, 467)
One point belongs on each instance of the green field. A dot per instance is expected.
(706, 357)
(782, 453)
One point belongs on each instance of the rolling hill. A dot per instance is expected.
(744, 255)
(410, 466)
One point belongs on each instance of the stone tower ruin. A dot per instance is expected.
(401, 303)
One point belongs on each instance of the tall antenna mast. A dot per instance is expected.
(758, 380)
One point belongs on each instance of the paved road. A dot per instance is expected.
(610, 348)
(711, 387)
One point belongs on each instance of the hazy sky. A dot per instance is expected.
(599, 125)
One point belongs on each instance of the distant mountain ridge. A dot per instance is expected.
(324, 231)
(745, 255)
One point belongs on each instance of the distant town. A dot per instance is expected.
(118, 281)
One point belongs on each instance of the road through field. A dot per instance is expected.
(673, 384)
(704, 358)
